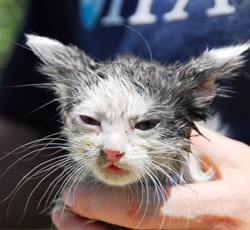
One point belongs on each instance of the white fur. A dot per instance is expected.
(113, 99)
(118, 107)
(227, 54)
(42, 43)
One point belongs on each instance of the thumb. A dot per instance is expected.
(219, 152)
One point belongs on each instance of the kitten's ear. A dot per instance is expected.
(198, 76)
(65, 65)
(55, 54)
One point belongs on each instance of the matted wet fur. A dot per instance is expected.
(142, 110)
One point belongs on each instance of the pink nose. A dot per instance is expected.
(112, 155)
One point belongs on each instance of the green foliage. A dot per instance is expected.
(11, 16)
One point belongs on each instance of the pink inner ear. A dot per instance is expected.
(205, 91)
(208, 86)
(209, 83)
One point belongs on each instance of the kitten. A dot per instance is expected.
(129, 120)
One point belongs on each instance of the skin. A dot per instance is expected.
(220, 204)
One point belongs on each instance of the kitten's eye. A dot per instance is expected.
(89, 120)
(147, 125)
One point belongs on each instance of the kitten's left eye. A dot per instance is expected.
(147, 125)
(89, 120)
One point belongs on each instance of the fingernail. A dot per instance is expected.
(55, 216)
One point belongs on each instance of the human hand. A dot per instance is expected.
(220, 204)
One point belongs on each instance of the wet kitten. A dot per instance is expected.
(129, 120)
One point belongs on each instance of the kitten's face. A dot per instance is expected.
(129, 120)
(105, 121)
(115, 133)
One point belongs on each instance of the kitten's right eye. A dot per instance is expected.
(89, 120)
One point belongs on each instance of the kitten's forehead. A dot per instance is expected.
(114, 98)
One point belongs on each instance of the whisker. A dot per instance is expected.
(60, 177)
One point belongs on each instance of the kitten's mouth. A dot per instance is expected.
(115, 173)
(114, 169)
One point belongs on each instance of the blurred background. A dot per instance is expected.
(11, 17)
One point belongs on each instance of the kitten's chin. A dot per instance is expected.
(116, 176)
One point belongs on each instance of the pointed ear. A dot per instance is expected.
(55, 54)
(198, 76)
(229, 54)
(67, 67)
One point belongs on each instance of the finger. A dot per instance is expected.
(119, 206)
(212, 141)
(220, 152)
(211, 205)
(202, 148)
(131, 210)
(65, 219)
(197, 206)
